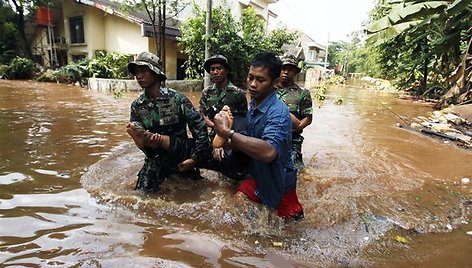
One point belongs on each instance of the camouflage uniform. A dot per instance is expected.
(169, 114)
(299, 103)
(213, 100)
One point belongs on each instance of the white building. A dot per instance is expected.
(236, 6)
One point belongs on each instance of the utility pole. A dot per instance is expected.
(206, 80)
(326, 54)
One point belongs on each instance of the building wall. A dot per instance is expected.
(171, 56)
(72, 9)
(94, 26)
(123, 36)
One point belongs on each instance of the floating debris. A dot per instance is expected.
(401, 239)
(338, 101)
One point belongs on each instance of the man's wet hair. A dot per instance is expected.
(270, 61)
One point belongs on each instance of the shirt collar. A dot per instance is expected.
(229, 86)
(144, 98)
(266, 103)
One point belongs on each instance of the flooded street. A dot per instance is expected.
(373, 194)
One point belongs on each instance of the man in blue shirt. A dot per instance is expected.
(272, 177)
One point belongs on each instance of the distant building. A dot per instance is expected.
(311, 55)
(237, 7)
(307, 50)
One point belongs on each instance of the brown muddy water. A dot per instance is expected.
(374, 195)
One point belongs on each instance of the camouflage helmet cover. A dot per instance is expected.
(216, 59)
(150, 60)
(289, 59)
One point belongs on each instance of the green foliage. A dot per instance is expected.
(158, 13)
(236, 40)
(3, 69)
(355, 56)
(105, 65)
(320, 92)
(420, 40)
(108, 65)
(20, 68)
(335, 80)
(8, 33)
(68, 74)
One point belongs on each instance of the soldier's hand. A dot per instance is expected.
(218, 154)
(295, 122)
(186, 165)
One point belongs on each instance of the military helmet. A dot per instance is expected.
(150, 60)
(216, 59)
(289, 59)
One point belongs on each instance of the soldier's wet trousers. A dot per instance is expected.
(159, 164)
(297, 156)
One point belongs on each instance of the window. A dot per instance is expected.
(79, 57)
(311, 55)
(76, 30)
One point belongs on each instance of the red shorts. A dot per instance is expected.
(289, 207)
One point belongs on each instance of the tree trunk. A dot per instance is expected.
(425, 67)
(21, 29)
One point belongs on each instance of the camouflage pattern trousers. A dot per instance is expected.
(159, 164)
(297, 157)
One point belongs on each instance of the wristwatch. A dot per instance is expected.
(230, 136)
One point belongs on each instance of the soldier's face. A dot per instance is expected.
(259, 83)
(287, 74)
(145, 77)
(218, 72)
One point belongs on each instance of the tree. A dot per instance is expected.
(8, 33)
(236, 40)
(22, 8)
(158, 12)
(426, 39)
(355, 56)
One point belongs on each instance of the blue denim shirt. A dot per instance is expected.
(271, 122)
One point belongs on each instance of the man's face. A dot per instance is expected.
(259, 82)
(287, 74)
(145, 77)
(218, 72)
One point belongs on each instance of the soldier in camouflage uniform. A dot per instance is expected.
(158, 125)
(299, 102)
(222, 92)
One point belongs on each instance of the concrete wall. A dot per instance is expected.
(124, 85)
(313, 77)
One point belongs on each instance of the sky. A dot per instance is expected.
(317, 18)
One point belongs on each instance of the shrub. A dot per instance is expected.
(3, 69)
(109, 65)
(20, 68)
(72, 73)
